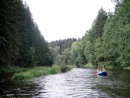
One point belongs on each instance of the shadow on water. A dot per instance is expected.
(77, 83)
(13, 89)
(117, 84)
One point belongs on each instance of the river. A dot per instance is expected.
(77, 83)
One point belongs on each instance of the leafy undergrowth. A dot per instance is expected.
(40, 71)
(89, 65)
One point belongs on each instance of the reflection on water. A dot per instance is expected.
(74, 84)
(77, 83)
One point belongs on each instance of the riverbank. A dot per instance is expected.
(89, 65)
(20, 73)
(127, 67)
(40, 71)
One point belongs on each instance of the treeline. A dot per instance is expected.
(62, 44)
(21, 43)
(107, 42)
(60, 50)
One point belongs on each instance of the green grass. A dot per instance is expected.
(40, 71)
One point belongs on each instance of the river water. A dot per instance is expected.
(77, 83)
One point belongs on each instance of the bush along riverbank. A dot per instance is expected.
(40, 71)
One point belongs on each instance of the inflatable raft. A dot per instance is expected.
(102, 73)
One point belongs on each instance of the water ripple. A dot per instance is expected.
(77, 83)
(74, 84)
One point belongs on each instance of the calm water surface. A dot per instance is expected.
(77, 83)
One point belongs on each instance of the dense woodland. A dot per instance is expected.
(62, 44)
(60, 50)
(106, 43)
(21, 43)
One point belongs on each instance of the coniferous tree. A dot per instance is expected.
(21, 43)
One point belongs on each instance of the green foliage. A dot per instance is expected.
(89, 65)
(34, 72)
(117, 49)
(66, 68)
(21, 43)
(107, 42)
(62, 44)
(22, 76)
(55, 69)
(40, 71)
(92, 41)
(98, 26)
(77, 51)
(60, 51)
(66, 55)
(55, 53)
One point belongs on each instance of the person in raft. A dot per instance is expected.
(100, 69)
(103, 69)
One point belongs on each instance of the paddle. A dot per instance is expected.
(94, 72)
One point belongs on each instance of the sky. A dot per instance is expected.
(62, 19)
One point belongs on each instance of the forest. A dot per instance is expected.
(21, 43)
(106, 43)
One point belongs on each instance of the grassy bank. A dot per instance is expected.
(40, 71)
